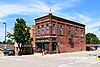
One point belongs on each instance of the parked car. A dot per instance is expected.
(8, 52)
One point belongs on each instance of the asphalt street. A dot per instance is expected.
(75, 59)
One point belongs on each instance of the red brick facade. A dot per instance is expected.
(56, 34)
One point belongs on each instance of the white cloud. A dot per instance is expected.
(65, 4)
(35, 7)
(93, 24)
(2, 20)
(7, 9)
(93, 30)
(78, 17)
(84, 18)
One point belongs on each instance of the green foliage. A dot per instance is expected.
(3, 42)
(27, 36)
(92, 39)
(21, 32)
(10, 42)
(10, 35)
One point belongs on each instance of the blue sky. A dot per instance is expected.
(83, 11)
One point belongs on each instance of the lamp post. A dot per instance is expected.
(5, 31)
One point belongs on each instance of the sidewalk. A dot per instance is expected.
(68, 53)
(59, 54)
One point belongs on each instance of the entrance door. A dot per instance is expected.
(54, 44)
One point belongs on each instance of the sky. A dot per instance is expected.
(82, 11)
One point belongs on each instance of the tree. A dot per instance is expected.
(21, 34)
(10, 42)
(3, 42)
(92, 39)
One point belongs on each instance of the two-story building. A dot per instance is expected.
(56, 34)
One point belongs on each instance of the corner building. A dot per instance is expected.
(59, 35)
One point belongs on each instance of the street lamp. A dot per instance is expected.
(5, 31)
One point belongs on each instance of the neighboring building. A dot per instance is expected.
(32, 35)
(56, 34)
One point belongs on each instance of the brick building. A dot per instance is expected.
(32, 34)
(56, 34)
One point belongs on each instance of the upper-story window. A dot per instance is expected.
(38, 30)
(69, 32)
(76, 32)
(61, 30)
(82, 32)
(53, 28)
(47, 29)
(42, 29)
